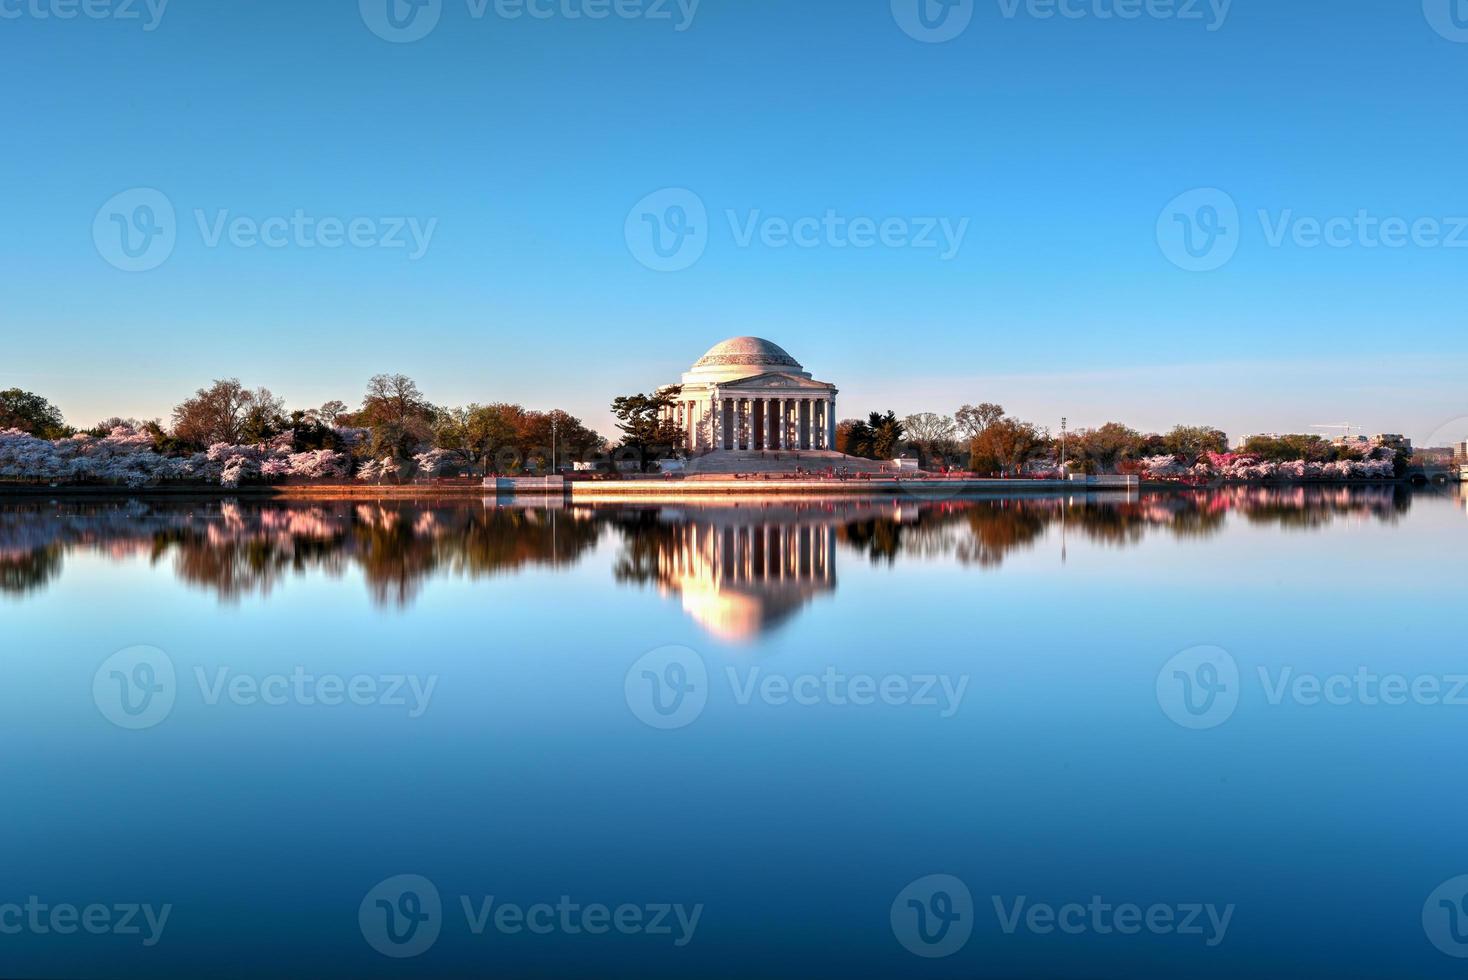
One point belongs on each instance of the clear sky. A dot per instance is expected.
(526, 143)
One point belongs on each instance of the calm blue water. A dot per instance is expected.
(779, 718)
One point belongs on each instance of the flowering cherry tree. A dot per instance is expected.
(127, 457)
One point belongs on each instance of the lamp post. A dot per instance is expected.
(555, 427)
(1063, 423)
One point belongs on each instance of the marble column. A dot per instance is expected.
(716, 421)
(831, 422)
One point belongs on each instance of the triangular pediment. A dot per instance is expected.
(775, 381)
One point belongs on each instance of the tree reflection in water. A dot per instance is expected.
(740, 568)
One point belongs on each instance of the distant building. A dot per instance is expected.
(1460, 454)
(1392, 440)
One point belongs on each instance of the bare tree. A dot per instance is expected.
(331, 411)
(223, 412)
(932, 432)
(973, 419)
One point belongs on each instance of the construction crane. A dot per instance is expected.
(1347, 427)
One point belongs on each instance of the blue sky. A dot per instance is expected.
(524, 143)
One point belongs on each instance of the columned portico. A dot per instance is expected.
(748, 394)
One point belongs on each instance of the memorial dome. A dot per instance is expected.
(744, 357)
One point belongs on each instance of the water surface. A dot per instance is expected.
(783, 714)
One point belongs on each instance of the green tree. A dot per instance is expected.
(854, 438)
(647, 423)
(31, 413)
(1288, 448)
(1193, 441)
(887, 432)
(400, 418)
(1103, 450)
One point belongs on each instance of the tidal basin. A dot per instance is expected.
(1064, 735)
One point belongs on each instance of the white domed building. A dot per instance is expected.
(747, 394)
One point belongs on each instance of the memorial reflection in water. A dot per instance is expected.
(740, 569)
(741, 573)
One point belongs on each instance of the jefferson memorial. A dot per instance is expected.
(747, 394)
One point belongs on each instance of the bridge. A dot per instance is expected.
(1435, 474)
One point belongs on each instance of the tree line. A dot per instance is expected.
(395, 427)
